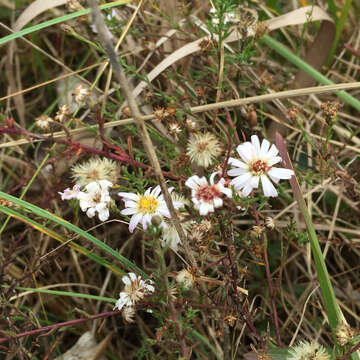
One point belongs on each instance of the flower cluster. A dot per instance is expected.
(135, 289)
(94, 199)
(256, 165)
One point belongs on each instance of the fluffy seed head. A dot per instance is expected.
(94, 169)
(305, 350)
(203, 149)
(186, 278)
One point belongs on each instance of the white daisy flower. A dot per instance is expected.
(96, 198)
(206, 197)
(257, 164)
(144, 207)
(203, 148)
(135, 289)
(70, 194)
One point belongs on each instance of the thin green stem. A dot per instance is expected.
(301, 64)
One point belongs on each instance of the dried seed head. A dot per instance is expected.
(174, 129)
(128, 314)
(186, 278)
(81, 93)
(308, 350)
(171, 110)
(126, 111)
(330, 109)
(205, 45)
(270, 223)
(63, 113)
(74, 5)
(43, 122)
(160, 113)
(292, 113)
(192, 125)
(94, 169)
(230, 319)
(344, 334)
(256, 231)
(203, 149)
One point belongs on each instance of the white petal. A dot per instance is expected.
(205, 208)
(237, 163)
(246, 190)
(254, 182)
(281, 173)
(134, 221)
(105, 184)
(272, 152)
(156, 192)
(93, 187)
(227, 192)
(218, 202)
(274, 160)
(241, 180)
(126, 280)
(192, 182)
(128, 211)
(132, 276)
(264, 148)
(91, 212)
(237, 172)
(256, 143)
(145, 221)
(268, 187)
(104, 215)
(126, 195)
(246, 151)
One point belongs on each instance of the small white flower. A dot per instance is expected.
(308, 350)
(228, 17)
(257, 164)
(96, 199)
(206, 197)
(70, 193)
(170, 236)
(203, 148)
(135, 289)
(144, 207)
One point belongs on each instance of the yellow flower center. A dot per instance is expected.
(259, 167)
(148, 204)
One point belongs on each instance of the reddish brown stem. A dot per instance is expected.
(53, 327)
(75, 146)
(272, 291)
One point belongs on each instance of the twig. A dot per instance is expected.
(51, 328)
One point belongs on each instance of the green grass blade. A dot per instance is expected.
(204, 340)
(339, 29)
(47, 215)
(56, 236)
(301, 64)
(65, 293)
(57, 20)
(330, 303)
